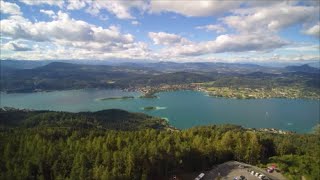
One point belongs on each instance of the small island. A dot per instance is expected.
(149, 95)
(117, 98)
(148, 108)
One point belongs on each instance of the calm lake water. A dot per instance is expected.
(184, 109)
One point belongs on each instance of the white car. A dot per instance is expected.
(199, 177)
(261, 176)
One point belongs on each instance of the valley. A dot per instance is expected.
(290, 82)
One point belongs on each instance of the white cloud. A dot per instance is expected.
(69, 38)
(268, 3)
(16, 46)
(162, 38)
(193, 8)
(302, 48)
(135, 22)
(256, 25)
(282, 58)
(76, 4)
(9, 8)
(58, 3)
(120, 8)
(212, 27)
(63, 28)
(50, 13)
(59, 51)
(227, 43)
(247, 42)
(272, 18)
(313, 31)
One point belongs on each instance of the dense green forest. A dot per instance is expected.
(60, 145)
(114, 119)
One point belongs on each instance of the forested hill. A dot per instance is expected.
(58, 145)
(107, 119)
(303, 68)
(65, 76)
(62, 76)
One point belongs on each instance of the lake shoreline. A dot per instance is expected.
(166, 120)
(184, 108)
(150, 92)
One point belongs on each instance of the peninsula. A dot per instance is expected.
(117, 98)
(149, 108)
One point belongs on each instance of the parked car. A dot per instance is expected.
(243, 177)
(240, 178)
(200, 176)
(270, 169)
(261, 176)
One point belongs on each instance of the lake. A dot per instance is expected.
(184, 109)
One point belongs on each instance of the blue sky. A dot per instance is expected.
(160, 30)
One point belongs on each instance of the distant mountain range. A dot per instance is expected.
(164, 66)
(303, 68)
(60, 75)
(28, 76)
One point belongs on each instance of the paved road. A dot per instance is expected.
(231, 169)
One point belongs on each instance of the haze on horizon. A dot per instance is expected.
(218, 31)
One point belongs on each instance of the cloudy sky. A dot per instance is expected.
(160, 30)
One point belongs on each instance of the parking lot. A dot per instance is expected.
(231, 169)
